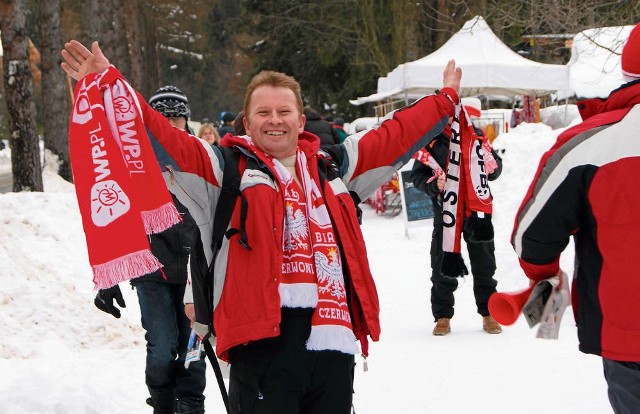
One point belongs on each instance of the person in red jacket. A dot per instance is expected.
(293, 292)
(585, 188)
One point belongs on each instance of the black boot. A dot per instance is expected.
(163, 401)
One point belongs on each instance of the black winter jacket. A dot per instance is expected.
(323, 129)
(439, 150)
(172, 248)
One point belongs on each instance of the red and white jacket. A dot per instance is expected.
(246, 301)
(587, 186)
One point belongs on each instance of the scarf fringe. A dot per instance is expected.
(453, 265)
(332, 337)
(124, 268)
(298, 295)
(159, 219)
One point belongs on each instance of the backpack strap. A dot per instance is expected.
(201, 274)
(230, 190)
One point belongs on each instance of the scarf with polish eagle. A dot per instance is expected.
(312, 275)
(113, 163)
(466, 194)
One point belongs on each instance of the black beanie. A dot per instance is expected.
(170, 102)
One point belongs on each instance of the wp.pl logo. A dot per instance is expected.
(108, 202)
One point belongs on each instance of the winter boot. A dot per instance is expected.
(442, 327)
(490, 325)
(163, 401)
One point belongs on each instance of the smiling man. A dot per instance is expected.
(273, 114)
(294, 299)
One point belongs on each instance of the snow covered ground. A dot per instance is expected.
(60, 355)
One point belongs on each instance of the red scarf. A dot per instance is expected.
(425, 157)
(312, 267)
(466, 193)
(110, 171)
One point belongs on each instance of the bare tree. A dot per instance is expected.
(55, 98)
(142, 46)
(18, 85)
(103, 20)
(119, 30)
(134, 30)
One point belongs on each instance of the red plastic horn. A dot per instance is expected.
(506, 307)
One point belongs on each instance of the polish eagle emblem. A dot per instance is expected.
(296, 229)
(329, 271)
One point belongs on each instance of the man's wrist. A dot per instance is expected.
(451, 94)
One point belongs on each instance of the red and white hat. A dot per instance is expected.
(473, 106)
(631, 54)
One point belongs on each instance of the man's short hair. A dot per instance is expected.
(275, 79)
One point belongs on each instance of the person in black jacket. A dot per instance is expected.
(481, 253)
(173, 387)
(227, 124)
(318, 126)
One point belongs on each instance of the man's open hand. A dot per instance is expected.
(80, 61)
(451, 76)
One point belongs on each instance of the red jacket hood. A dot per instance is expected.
(624, 97)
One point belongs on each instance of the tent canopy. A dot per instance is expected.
(488, 67)
(594, 68)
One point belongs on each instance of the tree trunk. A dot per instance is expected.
(153, 74)
(18, 86)
(91, 24)
(97, 25)
(135, 29)
(121, 46)
(55, 98)
(142, 48)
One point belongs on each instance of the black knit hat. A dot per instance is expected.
(228, 117)
(170, 102)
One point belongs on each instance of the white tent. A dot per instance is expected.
(594, 68)
(488, 67)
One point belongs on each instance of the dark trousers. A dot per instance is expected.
(280, 376)
(167, 335)
(483, 267)
(623, 379)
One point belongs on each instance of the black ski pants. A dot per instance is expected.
(280, 376)
(483, 267)
(623, 379)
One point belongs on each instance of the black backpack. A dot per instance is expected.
(202, 275)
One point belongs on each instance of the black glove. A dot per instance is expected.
(104, 300)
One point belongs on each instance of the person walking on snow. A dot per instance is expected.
(585, 188)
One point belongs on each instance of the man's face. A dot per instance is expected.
(273, 120)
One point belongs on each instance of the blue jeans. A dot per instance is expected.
(167, 335)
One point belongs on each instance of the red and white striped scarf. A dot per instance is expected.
(113, 163)
(312, 267)
(466, 192)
